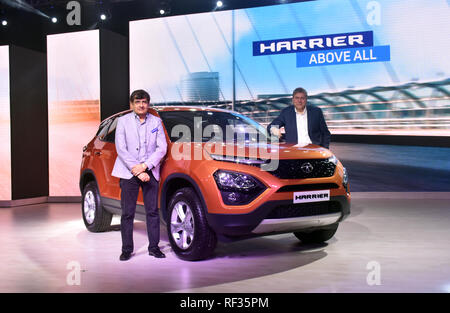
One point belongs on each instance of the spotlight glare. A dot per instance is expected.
(4, 22)
(219, 4)
(103, 17)
(162, 12)
(54, 19)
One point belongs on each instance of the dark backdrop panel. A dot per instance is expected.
(29, 123)
(114, 72)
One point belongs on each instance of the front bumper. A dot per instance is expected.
(261, 220)
(295, 223)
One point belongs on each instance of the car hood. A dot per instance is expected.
(261, 151)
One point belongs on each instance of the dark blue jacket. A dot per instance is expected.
(317, 127)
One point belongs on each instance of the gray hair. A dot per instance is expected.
(299, 90)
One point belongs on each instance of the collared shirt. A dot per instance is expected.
(142, 133)
(302, 128)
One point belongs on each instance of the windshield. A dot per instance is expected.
(203, 126)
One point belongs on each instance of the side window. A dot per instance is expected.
(111, 134)
(103, 129)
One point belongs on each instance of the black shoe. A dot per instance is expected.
(156, 253)
(125, 256)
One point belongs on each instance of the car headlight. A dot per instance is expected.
(333, 160)
(234, 181)
(345, 179)
(237, 188)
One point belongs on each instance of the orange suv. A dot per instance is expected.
(222, 178)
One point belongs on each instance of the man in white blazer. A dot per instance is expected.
(141, 145)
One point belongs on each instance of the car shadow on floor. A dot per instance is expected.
(235, 261)
(252, 247)
(265, 247)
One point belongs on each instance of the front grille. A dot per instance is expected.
(305, 209)
(292, 169)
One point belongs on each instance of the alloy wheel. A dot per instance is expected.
(182, 225)
(89, 207)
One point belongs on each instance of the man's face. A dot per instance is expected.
(299, 101)
(140, 106)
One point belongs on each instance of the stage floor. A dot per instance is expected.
(402, 243)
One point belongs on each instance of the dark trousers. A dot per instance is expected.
(129, 195)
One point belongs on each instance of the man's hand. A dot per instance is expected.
(276, 131)
(138, 168)
(144, 177)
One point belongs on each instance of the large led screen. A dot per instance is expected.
(374, 67)
(5, 126)
(73, 105)
(184, 58)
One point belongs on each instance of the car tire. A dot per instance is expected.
(317, 236)
(189, 234)
(95, 217)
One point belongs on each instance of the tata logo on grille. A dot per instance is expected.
(307, 167)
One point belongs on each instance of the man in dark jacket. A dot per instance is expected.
(304, 124)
